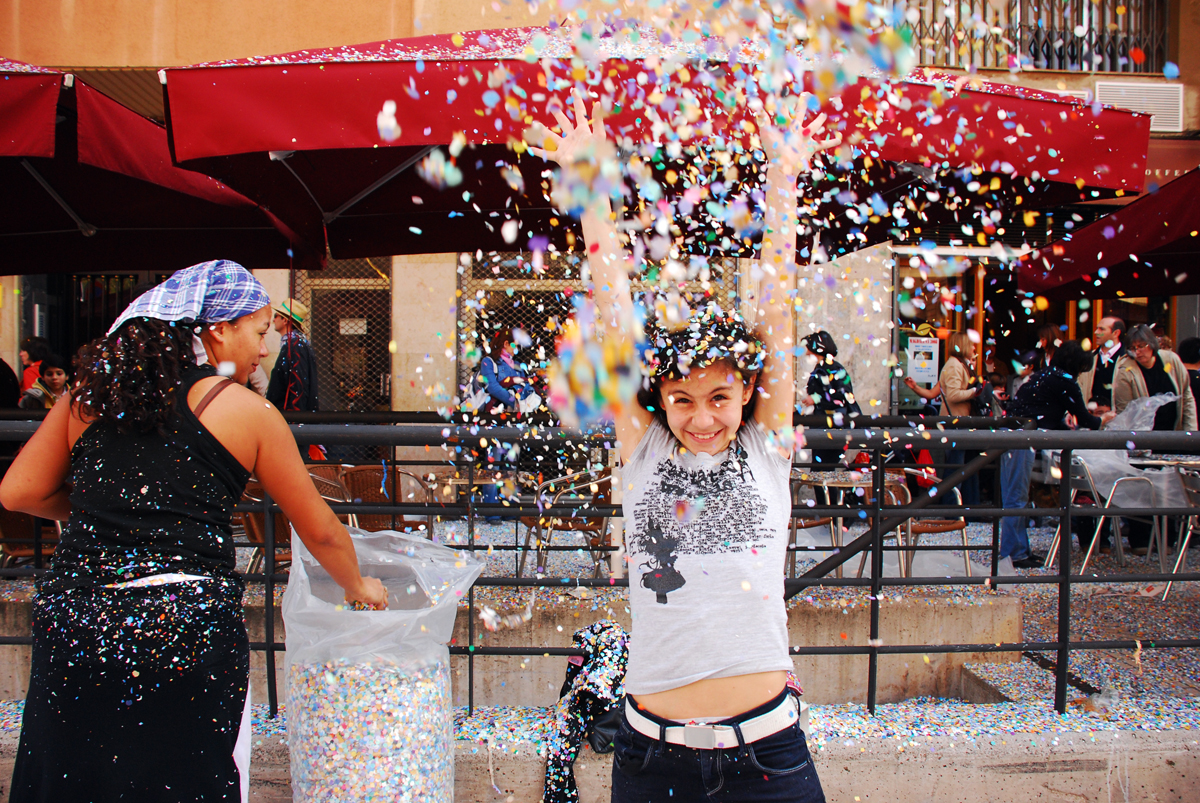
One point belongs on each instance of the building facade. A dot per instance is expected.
(400, 332)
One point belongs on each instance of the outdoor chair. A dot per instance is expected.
(254, 522)
(798, 523)
(1082, 482)
(594, 528)
(373, 485)
(16, 538)
(328, 471)
(1191, 492)
(895, 495)
(914, 528)
(333, 490)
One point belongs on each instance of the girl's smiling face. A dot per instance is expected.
(704, 409)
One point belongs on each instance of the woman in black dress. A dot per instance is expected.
(140, 672)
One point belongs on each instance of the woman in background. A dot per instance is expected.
(959, 391)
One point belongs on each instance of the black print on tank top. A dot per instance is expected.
(729, 521)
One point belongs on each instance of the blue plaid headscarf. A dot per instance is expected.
(210, 292)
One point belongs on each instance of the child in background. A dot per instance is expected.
(49, 387)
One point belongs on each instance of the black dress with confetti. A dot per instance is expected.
(138, 686)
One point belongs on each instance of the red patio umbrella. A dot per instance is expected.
(1150, 247)
(89, 186)
(297, 131)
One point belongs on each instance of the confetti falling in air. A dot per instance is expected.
(389, 129)
(371, 731)
(493, 621)
(593, 378)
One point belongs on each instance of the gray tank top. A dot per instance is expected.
(706, 537)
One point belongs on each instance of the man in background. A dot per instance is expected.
(293, 384)
(1096, 383)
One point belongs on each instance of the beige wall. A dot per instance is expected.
(10, 321)
(158, 33)
(1075, 81)
(423, 329)
(859, 304)
(139, 33)
(276, 284)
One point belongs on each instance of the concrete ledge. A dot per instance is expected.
(509, 681)
(1162, 766)
(977, 690)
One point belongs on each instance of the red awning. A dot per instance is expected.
(90, 186)
(1150, 247)
(28, 96)
(226, 117)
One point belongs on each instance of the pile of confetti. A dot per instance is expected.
(370, 732)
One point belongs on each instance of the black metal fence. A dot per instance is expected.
(901, 439)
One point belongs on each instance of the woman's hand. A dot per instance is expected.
(369, 592)
(910, 383)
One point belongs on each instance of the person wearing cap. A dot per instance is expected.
(140, 674)
(293, 384)
(829, 391)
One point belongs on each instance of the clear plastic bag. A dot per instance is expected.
(369, 711)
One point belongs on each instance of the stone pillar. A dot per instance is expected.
(10, 321)
(276, 281)
(424, 323)
(851, 298)
(423, 329)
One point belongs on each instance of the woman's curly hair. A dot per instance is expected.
(711, 335)
(131, 377)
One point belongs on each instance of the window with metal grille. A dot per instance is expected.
(350, 327)
(510, 290)
(95, 302)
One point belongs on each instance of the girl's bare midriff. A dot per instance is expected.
(715, 697)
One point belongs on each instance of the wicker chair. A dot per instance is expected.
(256, 528)
(334, 490)
(365, 485)
(16, 538)
(332, 472)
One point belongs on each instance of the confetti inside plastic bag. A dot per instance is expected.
(368, 692)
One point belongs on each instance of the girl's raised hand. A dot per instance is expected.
(791, 148)
(581, 141)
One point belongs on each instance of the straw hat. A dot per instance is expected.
(293, 310)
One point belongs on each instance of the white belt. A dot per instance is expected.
(159, 580)
(717, 737)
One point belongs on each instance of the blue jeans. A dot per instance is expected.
(777, 768)
(496, 460)
(1016, 469)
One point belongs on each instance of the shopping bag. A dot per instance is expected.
(368, 693)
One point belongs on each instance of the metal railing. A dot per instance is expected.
(936, 434)
(1097, 36)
